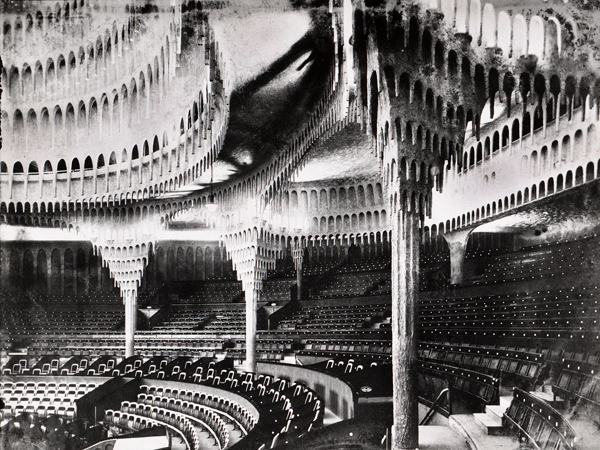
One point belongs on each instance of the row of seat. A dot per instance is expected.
(539, 422)
(579, 381)
(482, 387)
(42, 398)
(559, 259)
(198, 416)
(172, 420)
(334, 317)
(347, 285)
(519, 365)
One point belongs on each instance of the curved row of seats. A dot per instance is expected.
(244, 420)
(551, 260)
(579, 381)
(519, 365)
(174, 421)
(540, 423)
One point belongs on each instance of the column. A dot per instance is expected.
(130, 322)
(298, 256)
(405, 289)
(457, 242)
(252, 294)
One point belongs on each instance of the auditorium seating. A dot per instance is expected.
(334, 317)
(544, 260)
(551, 314)
(183, 319)
(278, 290)
(43, 398)
(579, 382)
(204, 292)
(522, 366)
(540, 422)
(176, 422)
(68, 319)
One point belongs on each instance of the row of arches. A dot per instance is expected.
(17, 30)
(541, 189)
(89, 67)
(508, 30)
(571, 147)
(172, 165)
(301, 201)
(348, 223)
(70, 124)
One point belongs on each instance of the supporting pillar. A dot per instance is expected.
(130, 322)
(298, 256)
(252, 294)
(457, 243)
(405, 289)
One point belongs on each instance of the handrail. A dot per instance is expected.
(435, 404)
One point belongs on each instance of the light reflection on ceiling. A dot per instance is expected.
(575, 208)
(347, 155)
(11, 233)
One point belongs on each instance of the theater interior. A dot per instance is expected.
(300, 224)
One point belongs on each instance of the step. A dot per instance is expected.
(495, 411)
(491, 425)
(476, 437)
(554, 401)
(505, 401)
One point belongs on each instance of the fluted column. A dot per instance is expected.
(298, 256)
(252, 295)
(130, 322)
(405, 288)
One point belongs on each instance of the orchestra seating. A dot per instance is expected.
(42, 398)
(286, 409)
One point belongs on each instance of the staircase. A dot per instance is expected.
(485, 430)
(491, 420)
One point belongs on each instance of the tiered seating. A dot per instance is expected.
(481, 387)
(286, 410)
(183, 319)
(367, 265)
(544, 314)
(277, 290)
(318, 268)
(579, 382)
(347, 285)
(94, 298)
(201, 416)
(42, 398)
(231, 321)
(537, 261)
(375, 349)
(206, 291)
(540, 423)
(64, 319)
(175, 421)
(523, 365)
(335, 317)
